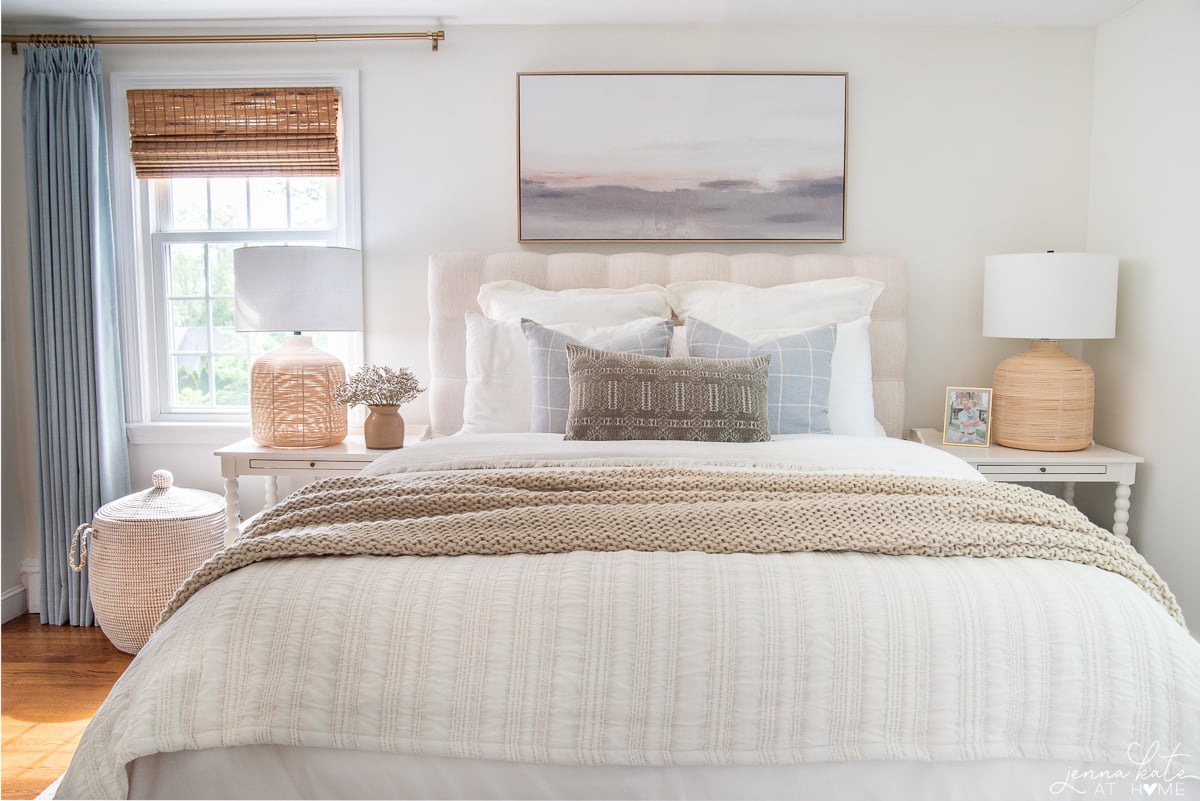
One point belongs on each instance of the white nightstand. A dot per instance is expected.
(1096, 463)
(247, 458)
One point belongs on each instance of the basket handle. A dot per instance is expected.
(81, 541)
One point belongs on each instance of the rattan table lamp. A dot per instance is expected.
(280, 288)
(1043, 399)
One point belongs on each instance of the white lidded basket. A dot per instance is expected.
(140, 548)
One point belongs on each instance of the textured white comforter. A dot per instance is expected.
(633, 658)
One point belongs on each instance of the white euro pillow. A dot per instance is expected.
(497, 398)
(509, 301)
(851, 388)
(760, 314)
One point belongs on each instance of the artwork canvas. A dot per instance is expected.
(682, 156)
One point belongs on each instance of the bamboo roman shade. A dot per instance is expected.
(211, 132)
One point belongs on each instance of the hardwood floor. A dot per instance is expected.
(54, 678)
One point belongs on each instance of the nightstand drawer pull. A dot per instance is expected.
(1042, 470)
(333, 465)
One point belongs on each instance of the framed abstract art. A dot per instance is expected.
(682, 156)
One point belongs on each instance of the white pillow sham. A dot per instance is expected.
(851, 391)
(509, 301)
(498, 397)
(760, 314)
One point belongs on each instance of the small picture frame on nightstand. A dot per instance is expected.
(967, 413)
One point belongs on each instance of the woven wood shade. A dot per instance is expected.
(1043, 400)
(213, 132)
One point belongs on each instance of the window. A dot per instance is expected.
(193, 365)
(197, 223)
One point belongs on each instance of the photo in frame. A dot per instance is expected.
(681, 156)
(967, 416)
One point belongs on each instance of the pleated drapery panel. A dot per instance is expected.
(83, 458)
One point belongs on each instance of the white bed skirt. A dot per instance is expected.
(263, 771)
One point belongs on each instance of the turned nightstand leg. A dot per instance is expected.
(272, 491)
(1121, 512)
(1069, 492)
(232, 523)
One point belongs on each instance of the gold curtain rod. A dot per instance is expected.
(61, 39)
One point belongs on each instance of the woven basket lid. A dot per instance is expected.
(162, 502)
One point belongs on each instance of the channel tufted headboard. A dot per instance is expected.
(455, 278)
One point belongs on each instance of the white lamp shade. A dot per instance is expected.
(281, 288)
(1050, 296)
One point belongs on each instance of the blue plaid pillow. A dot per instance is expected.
(551, 388)
(798, 378)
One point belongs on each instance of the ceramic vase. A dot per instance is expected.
(384, 428)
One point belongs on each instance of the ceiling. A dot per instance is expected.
(99, 14)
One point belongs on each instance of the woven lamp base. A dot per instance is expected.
(1043, 400)
(291, 397)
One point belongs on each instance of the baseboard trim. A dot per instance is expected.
(31, 580)
(12, 604)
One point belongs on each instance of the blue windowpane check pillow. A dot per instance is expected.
(551, 387)
(798, 378)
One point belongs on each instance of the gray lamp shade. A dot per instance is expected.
(1050, 296)
(297, 288)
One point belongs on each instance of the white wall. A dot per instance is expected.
(1145, 207)
(18, 471)
(962, 143)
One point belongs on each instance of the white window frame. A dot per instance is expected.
(162, 239)
(141, 304)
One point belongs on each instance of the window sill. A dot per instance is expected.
(211, 434)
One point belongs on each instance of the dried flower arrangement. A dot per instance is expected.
(375, 385)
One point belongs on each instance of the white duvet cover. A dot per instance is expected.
(682, 674)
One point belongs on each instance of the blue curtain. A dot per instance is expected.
(83, 458)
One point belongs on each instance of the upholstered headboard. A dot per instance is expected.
(455, 278)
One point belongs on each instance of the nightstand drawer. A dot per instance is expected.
(331, 465)
(1041, 470)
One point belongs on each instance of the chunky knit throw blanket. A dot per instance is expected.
(666, 508)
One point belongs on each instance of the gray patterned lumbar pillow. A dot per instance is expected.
(550, 390)
(801, 366)
(628, 396)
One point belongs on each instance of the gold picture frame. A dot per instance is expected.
(966, 418)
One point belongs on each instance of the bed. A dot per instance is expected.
(516, 615)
